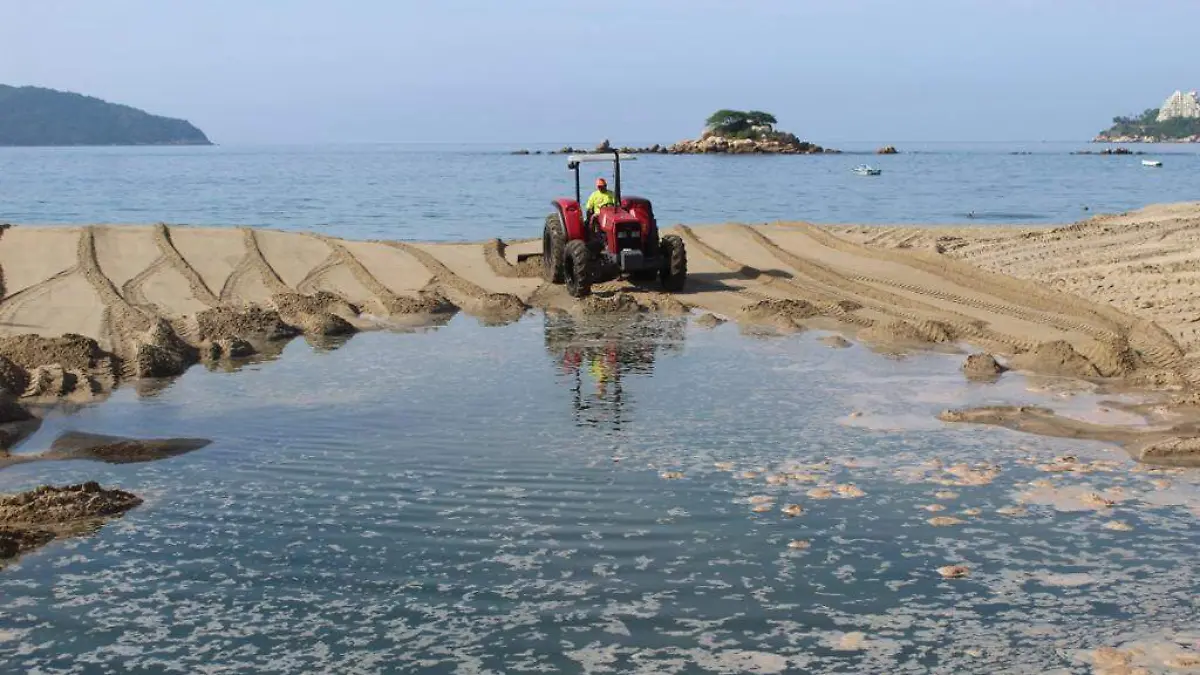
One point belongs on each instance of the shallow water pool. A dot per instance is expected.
(601, 496)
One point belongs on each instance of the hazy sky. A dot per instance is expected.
(513, 71)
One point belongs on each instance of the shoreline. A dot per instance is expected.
(78, 318)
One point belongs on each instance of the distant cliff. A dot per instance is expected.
(1176, 121)
(32, 116)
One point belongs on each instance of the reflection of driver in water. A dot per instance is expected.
(603, 369)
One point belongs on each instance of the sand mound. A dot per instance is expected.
(322, 314)
(982, 367)
(10, 410)
(835, 341)
(1175, 451)
(159, 352)
(13, 378)
(493, 252)
(119, 450)
(49, 505)
(790, 310)
(34, 518)
(709, 320)
(500, 308)
(616, 303)
(425, 302)
(1056, 358)
(250, 323)
(71, 352)
(904, 332)
(17, 540)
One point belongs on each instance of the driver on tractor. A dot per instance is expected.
(600, 198)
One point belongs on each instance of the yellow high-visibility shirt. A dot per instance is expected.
(600, 198)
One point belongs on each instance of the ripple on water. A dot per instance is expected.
(466, 518)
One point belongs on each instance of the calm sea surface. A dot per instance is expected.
(478, 192)
(498, 500)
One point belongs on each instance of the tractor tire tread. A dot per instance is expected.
(674, 272)
(578, 269)
(553, 245)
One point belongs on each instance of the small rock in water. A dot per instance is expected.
(761, 499)
(945, 494)
(933, 508)
(835, 341)
(954, 571)
(799, 544)
(709, 320)
(820, 493)
(749, 474)
(944, 521)
(851, 641)
(1118, 526)
(723, 466)
(792, 510)
(1183, 660)
(850, 491)
(671, 475)
(982, 367)
(761, 508)
(776, 479)
(1097, 499)
(1011, 511)
(1111, 659)
(971, 512)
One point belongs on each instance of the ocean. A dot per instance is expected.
(471, 193)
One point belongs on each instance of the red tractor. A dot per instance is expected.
(618, 240)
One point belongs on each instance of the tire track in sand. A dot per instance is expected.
(252, 262)
(927, 322)
(474, 299)
(427, 301)
(1109, 351)
(1020, 293)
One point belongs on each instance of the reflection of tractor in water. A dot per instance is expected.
(603, 350)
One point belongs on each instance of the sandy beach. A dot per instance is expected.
(1107, 299)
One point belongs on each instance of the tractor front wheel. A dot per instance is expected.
(553, 243)
(674, 269)
(578, 269)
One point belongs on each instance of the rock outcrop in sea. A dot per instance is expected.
(774, 143)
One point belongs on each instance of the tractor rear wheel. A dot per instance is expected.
(674, 270)
(577, 268)
(553, 242)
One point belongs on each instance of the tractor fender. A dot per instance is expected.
(572, 217)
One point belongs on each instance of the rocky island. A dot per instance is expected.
(34, 116)
(1176, 121)
(731, 132)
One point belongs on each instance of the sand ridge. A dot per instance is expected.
(158, 298)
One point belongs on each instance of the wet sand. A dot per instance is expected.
(1106, 299)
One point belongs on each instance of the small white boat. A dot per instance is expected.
(864, 170)
(1151, 162)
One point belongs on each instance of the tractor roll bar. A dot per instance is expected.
(573, 162)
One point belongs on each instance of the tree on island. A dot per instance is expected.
(1147, 125)
(741, 124)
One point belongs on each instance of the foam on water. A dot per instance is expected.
(548, 496)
